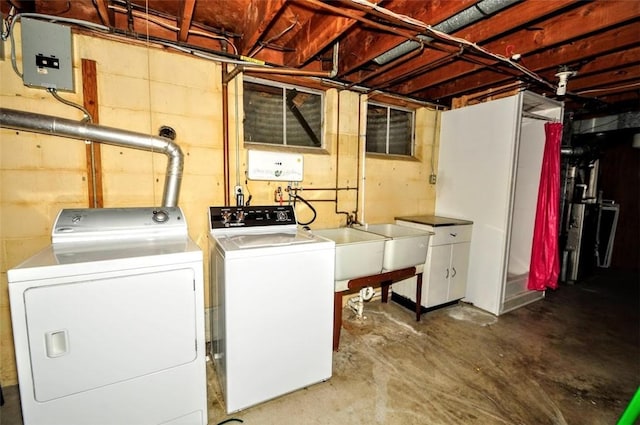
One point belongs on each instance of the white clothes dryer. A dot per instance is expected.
(108, 321)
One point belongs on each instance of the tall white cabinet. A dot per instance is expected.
(488, 172)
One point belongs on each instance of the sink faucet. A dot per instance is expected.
(351, 220)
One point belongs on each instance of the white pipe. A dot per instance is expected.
(46, 124)
(363, 148)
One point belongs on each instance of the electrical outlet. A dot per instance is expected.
(432, 179)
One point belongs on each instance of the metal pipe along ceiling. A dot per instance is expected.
(46, 124)
(466, 17)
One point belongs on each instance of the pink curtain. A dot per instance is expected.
(545, 260)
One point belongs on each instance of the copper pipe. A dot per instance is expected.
(228, 76)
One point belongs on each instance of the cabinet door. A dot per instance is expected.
(458, 273)
(438, 279)
(93, 333)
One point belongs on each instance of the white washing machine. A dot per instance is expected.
(272, 294)
(108, 321)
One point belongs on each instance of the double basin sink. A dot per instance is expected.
(375, 248)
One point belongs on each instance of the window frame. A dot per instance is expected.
(284, 88)
(412, 141)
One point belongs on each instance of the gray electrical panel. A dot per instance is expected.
(46, 55)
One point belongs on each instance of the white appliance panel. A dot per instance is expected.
(64, 351)
(489, 169)
(275, 166)
(287, 347)
(272, 287)
(480, 193)
(111, 331)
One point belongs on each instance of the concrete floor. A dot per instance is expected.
(572, 358)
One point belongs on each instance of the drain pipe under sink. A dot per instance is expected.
(46, 124)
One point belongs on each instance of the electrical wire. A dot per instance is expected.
(87, 116)
(275, 37)
(605, 124)
(444, 36)
(50, 18)
(625, 86)
(149, 18)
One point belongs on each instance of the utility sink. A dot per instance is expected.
(358, 253)
(405, 246)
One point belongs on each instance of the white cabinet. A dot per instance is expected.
(445, 269)
(488, 172)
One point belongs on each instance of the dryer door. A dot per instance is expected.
(91, 333)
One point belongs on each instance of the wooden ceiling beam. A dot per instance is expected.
(623, 96)
(259, 18)
(610, 78)
(105, 14)
(611, 61)
(501, 23)
(316, 34)
(363, 45)
(571, 54)
(185, 15)
(24, 6)
(588, 18)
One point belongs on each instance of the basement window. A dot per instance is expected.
(281, 114)
(390, 129)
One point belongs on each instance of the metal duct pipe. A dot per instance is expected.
(466, 17)
(46, 124)
(576, 151)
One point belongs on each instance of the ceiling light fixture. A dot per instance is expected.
(563, 75)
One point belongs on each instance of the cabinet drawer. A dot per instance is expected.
(451, 234)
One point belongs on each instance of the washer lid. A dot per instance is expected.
(270, 239)
(100, 224)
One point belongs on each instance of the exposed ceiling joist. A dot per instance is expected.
(548, 60)
(597, 38)
(516, 17)
(106, 15)
(185, 16)
(259, 18)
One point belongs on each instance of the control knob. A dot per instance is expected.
(160, 216)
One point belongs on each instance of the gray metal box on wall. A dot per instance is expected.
(46, 55)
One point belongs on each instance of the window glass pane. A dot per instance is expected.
(376, 129)
(304, 118)
(282, 115)
(263, 121)
(400, 132)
